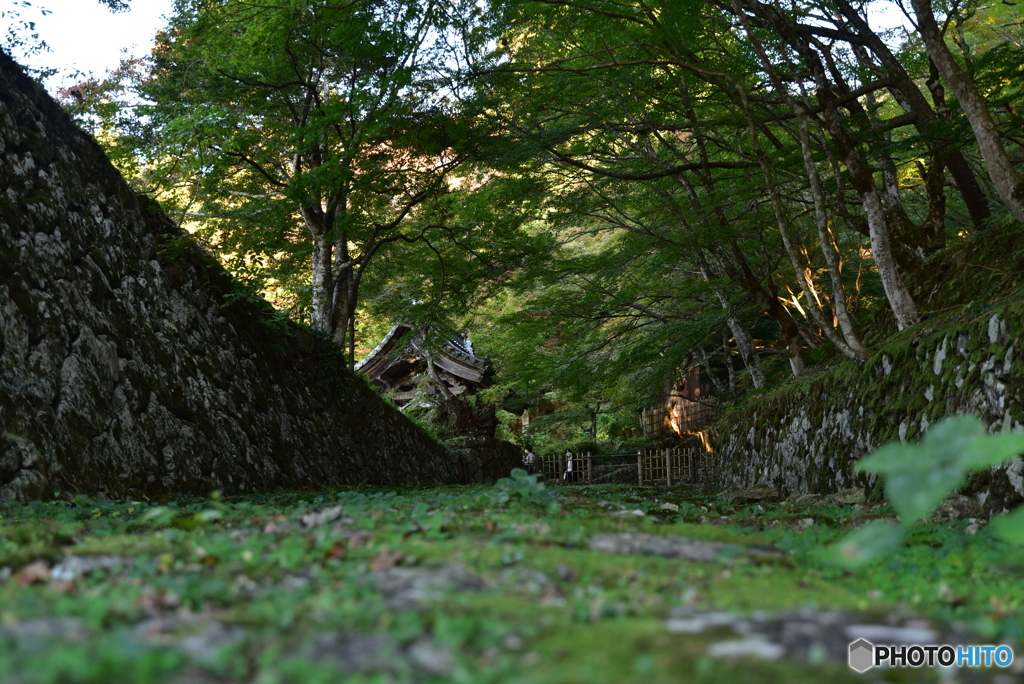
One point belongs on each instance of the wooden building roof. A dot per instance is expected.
(399, 359)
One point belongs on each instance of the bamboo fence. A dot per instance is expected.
(676, 465)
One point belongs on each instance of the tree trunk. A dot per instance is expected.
(850, 345)
(919, 239)
(796, 359)
(742, 275)
(745, 344)
(322, 318)
(739, 332)
(343, 300)
(729, 372)
(861, 177)
(341, 311)
(857, 355)
(1004, 177)
(702, 358)
(900, 300)
(828, 248)
(913, 101)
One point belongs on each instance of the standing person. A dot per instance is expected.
(568, 475)
(529, 461)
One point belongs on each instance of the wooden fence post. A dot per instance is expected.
(590, 468)
(640, 467)
(561, 468)
(668, 467)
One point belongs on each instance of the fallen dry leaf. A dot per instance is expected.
(337, 550)
(386, 560)
(358, 539)
(154, 601)
(32, 573)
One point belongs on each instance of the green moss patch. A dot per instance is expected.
(447, 584)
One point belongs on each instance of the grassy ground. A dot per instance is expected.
(471, 584)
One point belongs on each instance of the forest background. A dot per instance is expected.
(605, 194)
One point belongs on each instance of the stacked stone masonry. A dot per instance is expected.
(806, 439)
(127, 368)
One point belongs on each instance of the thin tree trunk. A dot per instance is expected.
(850, 345)
(920, 239)
(796, 358)
(740, 334)
(900, 300)
(730, 373)
(744, 343)
(352, 340)
(798, 268)
(742, 275)
(828, 248)
(702, 357)
(341, 311)
(905, 237)
(1004, 177)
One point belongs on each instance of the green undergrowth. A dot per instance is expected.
(242, 590)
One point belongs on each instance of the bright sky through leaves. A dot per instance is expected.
(84, 35)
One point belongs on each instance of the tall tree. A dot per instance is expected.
(315, 126)
(1007, 181)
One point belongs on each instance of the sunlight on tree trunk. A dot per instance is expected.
(1004, 177)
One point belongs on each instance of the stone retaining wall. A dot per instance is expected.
(490, 460)
(806, 438)
(125, 370)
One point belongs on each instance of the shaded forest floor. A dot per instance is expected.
(593, 584)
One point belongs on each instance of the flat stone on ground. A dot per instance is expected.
(682, 548)
(756, 494)
(407, 588)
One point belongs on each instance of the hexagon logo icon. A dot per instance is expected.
(862, 655)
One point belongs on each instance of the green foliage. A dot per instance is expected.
(273, 578)
(867, 544)
(1010, 527)
(575, 184)
(522, 486)
(310, 143)
(918, 477)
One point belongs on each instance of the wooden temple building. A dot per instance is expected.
(399, 364)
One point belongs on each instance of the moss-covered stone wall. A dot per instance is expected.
(806, 437)
(125, 370)
(488, 460)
